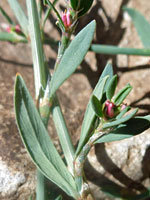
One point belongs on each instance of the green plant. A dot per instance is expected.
(106, 118)
(143, 29)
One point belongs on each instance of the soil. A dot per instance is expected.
(112, 28)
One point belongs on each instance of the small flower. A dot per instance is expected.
(67, 19)
(109, 109)
(123, 106)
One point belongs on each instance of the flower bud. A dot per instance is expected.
(17, 29)
(66, 18)
(109, 109)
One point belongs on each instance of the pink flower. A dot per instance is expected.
(123, 106)
(66, 18)
(109, 109)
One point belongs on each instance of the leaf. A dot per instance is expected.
(120, 115)
(81, 6)
(113, 50)
(11, 37)
(56, 12)
(20, 15)
(122, 94)
(141, 24)
(97, 106)
(111, 87)
(63, 134)
(37, 48)
(73, 56)
(37, 141)
(124, 193)
(89, 116)
(120, 121)
(130, 128)
(6, 16)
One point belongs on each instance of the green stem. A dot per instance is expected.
(113, 50)
(63, 46)
(40, 187)
(47, 14)
(83, 187)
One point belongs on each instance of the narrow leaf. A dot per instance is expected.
(56, 12)
(131, 128)
(12, 37)
(20, 15)
(73, 56)
(6, 16)
(123, 112)
(120, 121)
(111, 87)
(89, 117)
(37, 141)
(63, 133)
(37, 49)
(122, 94)
(114, 50)
(141, 24)
(97, 106)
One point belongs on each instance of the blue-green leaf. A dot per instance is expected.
(114, 50)
(128, 129)
(120, 121)
(141, 24)
(97, 106)
(111, 87)
(6, 16)
(40, 74)
(20, 15)
(73, 56)
(122, 94)
(123, 112)
(12, 37)
(89, 117)
(37, 141)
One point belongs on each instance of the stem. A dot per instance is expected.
(63, 46)
(40, 187)
(109, 49)
(83, 187)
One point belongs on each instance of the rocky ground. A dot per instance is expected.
(124, 163)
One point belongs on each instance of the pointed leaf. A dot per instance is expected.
(122, 94)
(37, 48)
(73, 56)
(97, 106)
(131, 128)
(120, 121)
(123, 112)
(37, 141)
(11, 37)
(141, 24)
(6, 16)
(111, 87)
(63, 134)
(81, 6)
(114, 50)
(89, 117)
(20, 15)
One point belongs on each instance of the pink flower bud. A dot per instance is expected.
(109, 109)
(17, 29)
(66, 18)
(8, 29)
(123, 106)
